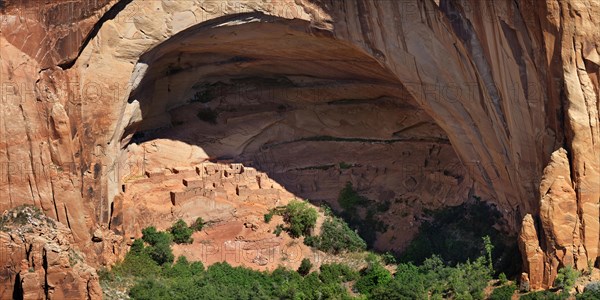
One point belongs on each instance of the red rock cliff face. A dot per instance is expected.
(513, 85)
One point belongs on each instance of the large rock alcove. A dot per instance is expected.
(310, 112)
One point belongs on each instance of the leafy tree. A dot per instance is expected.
(389, 258)
(305, 267)
(136, 264)
(371, 277)
(153, 237)
(149, 289)
(502, 278)
(160, 245)
(503, 293)
(591, 292)
(163, 279)
(161, 253)
(137, 247)
(408, 283)
(542, 295)
(336, 272)
(300, 217)
(349, 199)
(489, 247)
(566, 277)
(336, 237)
(457, 240)
(198, 224)
(181, 232)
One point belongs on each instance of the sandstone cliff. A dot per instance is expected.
(484, 95)
(39, 261)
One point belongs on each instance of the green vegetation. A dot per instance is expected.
(542, 295)
(389, 258)
(455, 233)
(336, 237)
(504, 292)
(305, 267)
(591, 291)
(185, 280)
(153, 276)
(298, 215)
(373, 276)
(566, 277)
(350, 200)
(159, 248)
(152, 273)
(278, 230)
(336, 272)
(181, 232)
(208, 115)
(435, 280)
(345, 166)
(198, 224)
(361, 213)
(319, 167)
(502, 279)
(268, 216)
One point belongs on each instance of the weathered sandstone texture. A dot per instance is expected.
(459, 98)
(39, 260)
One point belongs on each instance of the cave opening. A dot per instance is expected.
(270, 104)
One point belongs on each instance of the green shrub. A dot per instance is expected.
(542, 295)
(136, 264)
(389, 258)
(161, 253)
(591, 292)
(345, 166)
(300, 217)
(503, 293)
(160, 245)
(305, 267)
(181, 232)
(502, 279)
(137, 247)
(371, 277)
(153, 237)
(349, 199)
(268, 217)
(336, 237)
(408, 283)
(336, 272)
(278, 229)
(457, 240)
(326, 210)
(161, 279)
(198, 224)
(566, 277)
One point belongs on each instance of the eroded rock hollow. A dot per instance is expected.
(424, 102)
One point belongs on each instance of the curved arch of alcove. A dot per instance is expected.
(309, 111)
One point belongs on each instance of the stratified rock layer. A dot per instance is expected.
(505, 83)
